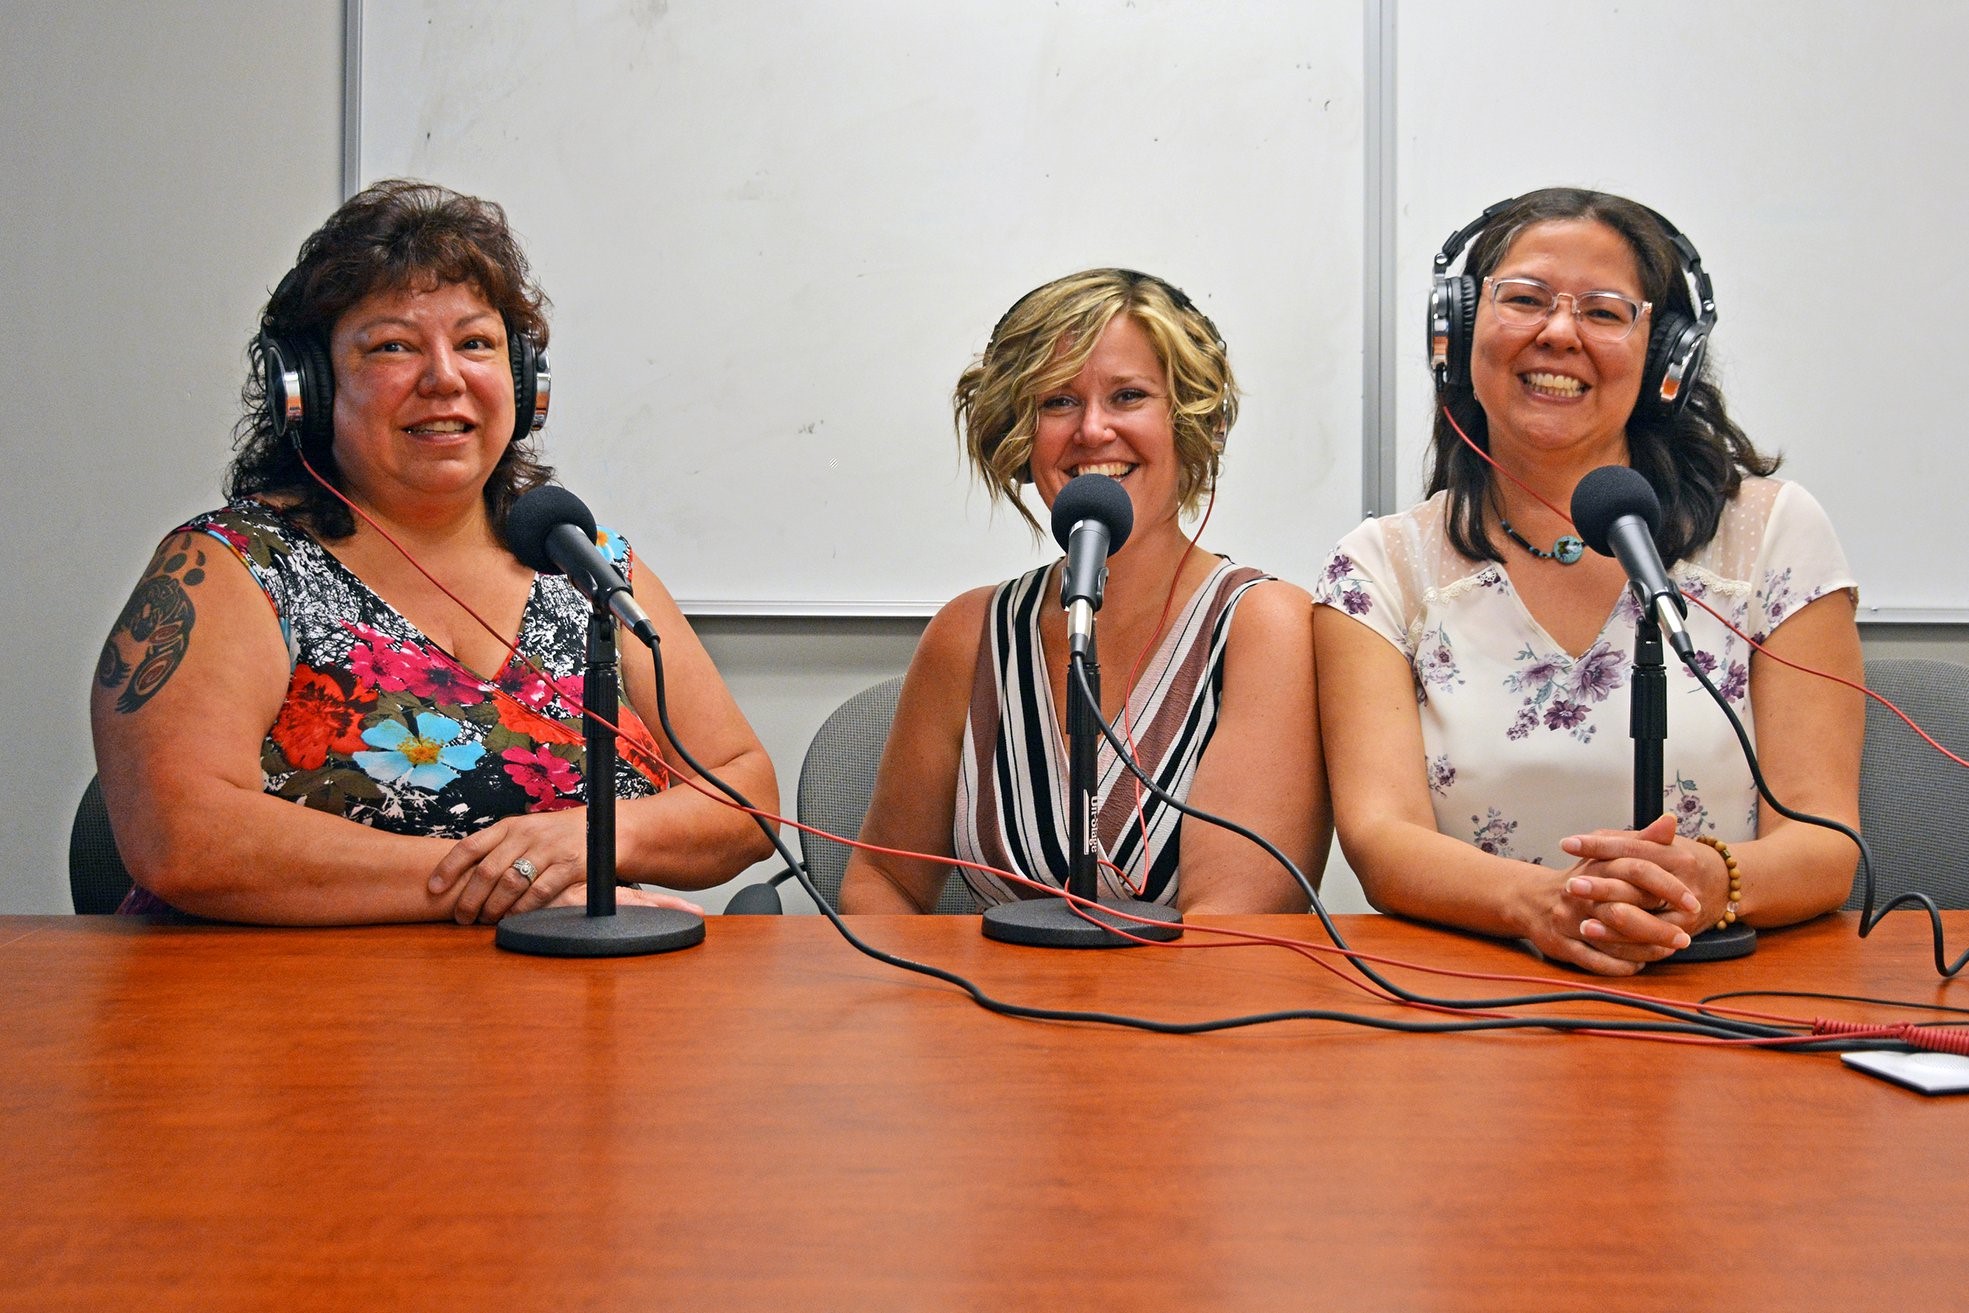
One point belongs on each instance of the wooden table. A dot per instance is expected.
(224, 1118)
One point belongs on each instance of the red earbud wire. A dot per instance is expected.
(1822, 674)
(1215, 936)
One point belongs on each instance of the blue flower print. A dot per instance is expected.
(429, 759)
(612, 548)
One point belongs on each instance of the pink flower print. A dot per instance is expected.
(545, 777)
(529, 688)
(381, 662)
(441, 679)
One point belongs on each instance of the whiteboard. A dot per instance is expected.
(1810, 150)
(774, 233)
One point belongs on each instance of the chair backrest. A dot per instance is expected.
(97, 878)
(837, 779)
(1914, 802)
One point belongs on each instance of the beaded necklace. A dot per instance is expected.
(1566, 549)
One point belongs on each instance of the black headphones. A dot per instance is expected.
(300, 387)
(1675, 342)
(1135, 277)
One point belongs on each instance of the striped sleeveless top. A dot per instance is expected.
(1012, 780)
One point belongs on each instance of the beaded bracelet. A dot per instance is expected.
(1736, 878)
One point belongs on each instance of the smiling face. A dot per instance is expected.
(1112, 418)
(423, 395)
(1547, 390)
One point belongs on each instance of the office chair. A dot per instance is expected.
(837, 779)
(97, 878)
(1914, 803)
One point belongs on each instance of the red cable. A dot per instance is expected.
(651, 757)
(1226, 937)
(1127, 716)
(1808, 670)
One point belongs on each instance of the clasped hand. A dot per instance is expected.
(1634, 897)
(485, 874)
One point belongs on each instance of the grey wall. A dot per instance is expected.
(160, 165)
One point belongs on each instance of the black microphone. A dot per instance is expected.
(1616, 514)
(551, 530)
(1092, 518)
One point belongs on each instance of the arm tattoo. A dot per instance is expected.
(150, 637)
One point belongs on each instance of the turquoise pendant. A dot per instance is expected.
(1568, 550)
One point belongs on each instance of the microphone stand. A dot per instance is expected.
(1647, 718)
(1648, 725)
(1046, 922)
(600, 930)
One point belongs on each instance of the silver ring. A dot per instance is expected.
(525, 869)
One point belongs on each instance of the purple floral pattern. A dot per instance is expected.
(1342, 585)
(1560, 694)
(1493, 833)
(1775, 601)
(1525, 743)
(1684, 803)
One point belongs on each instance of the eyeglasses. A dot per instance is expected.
(1528, 303)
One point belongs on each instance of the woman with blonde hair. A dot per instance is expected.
(1116, 373)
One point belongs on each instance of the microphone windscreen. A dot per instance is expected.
(1093, 497)
(535, 514)
(1606, 495)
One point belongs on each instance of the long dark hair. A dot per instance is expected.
(393, 235)
(1695, 461)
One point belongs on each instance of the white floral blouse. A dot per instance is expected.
(1526, 744)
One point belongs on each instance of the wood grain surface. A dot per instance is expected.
(231, 1118)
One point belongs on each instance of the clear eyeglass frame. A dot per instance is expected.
(1598, 326)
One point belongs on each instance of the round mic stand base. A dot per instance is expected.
(1737, 940)
(626, 932)
(1056, 923)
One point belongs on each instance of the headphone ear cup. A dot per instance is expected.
(317, 394)
(532, 384)
(1465, 333)
(1452, 327)
(300, 389)
(1675, 349)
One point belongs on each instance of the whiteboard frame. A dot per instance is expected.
(1380, 490)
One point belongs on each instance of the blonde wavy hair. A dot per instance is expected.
(1044, 340)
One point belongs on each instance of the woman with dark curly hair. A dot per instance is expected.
(1474, 657)
(1107, 372)
(287, 650)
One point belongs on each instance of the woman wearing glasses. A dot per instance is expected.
(1474, 660)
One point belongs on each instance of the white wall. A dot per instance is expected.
(160, 166)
